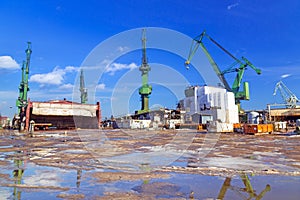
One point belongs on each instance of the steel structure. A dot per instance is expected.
(21, 102)
(146, 89)
(289, 98)
(83, 89)
(243, 64)
(242, 191)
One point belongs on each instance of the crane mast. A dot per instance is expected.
(288, 97)
(21, 102)
(146, 89)
(243, 64)
(83, 89)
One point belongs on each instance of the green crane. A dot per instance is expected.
(146, 89)
(23, 88)
(239, 190)
(82, 89)
(243, 64)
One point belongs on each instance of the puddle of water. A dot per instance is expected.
(4, 147)
(213, 187)
(76, 151)
(178, 185)
(49, 182)
(118, 139)
(179, 163)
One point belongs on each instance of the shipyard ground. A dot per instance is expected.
(137, 164)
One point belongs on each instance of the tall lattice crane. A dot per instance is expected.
(21, 102)
(146, 89)
(288, 97)
(83, 89)
(243, 64)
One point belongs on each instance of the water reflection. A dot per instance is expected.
(78, 180)
(247, 189)
(203, 187)
(18, 175)
(28, 180)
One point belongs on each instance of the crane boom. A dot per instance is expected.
(243, 64)
(240, 73)
(22, 102)
(23, 88)
(194, 47)
(287, 95)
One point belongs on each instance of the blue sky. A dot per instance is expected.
(64, 33)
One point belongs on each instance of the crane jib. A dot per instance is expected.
(243, 64)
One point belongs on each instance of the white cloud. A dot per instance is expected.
(285, 75)
(56, 77)
(7, 62)
(100, 86)
(232, 6)
(122, 49)
(66, 86)
(53, 78)
(44, 178)
(5, 193)
(111, 69)
(71, 69)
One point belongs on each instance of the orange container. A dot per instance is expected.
(258, 128)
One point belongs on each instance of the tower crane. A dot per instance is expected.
(146, 89)
(23, 88)
(243, 64)
(22, 101)
(288, 97)
(83, 89)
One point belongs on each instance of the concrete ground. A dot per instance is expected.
(102, 157)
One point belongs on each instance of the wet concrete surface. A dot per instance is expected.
(137, 164)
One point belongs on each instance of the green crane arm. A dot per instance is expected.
(23, 88)
(194, 47)
(244, 63)
(258, 71)
(28, 54)
(240, 70)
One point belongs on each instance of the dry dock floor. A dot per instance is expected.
(146, 164)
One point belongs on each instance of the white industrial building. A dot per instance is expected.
(211, 104)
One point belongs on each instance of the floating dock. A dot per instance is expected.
(62, 114)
